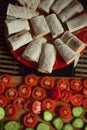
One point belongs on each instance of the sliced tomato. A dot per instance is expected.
(76, 85)
(85, 103)
(55, 93)
(11, 111)
(3, 101)
(11, 93)
(36, 107)
(47, 82)
(85, 83)
(31, 80)
(85, 91)
(48, 104)
(66, 96)
(28, 105)
(63, 84)
(77, 99)
(65, 112)
(19, 102)
(24, 91)
(30, 120)
(6, 79)
(2, 88)
(39, 93)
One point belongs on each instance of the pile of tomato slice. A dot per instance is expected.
(37, 94)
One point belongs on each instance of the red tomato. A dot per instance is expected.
(2, 88)
(28, 105)
(66, 96)
(6, 79)
(55, 93)
(47, 82)
(65, 112)
(19, 102)
(85, 83)
(24, 91)
(85, 91)
(31, 80)
(3, 101)
(48, 104)
(39, 93)
(30, 120)
(85, 103)
(11, 93)
(11, 111)
(63, 84)
(76, 85)
(77, 100)
(36, 107)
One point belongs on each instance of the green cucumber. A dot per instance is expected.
(85, 127)
(78, 123)
(58, 123)
(77, 111)
(47, 115)
(12, 125)
(68, 127)
(2, 113)
(29, 129)
(43, 126)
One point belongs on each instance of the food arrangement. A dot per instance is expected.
(37, 30)
(37, 103)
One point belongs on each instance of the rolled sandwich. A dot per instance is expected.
(45, 5)
(20, 39)
(77, 23)
(47, 58)
(15, 26)
(32, 4)
(40, 26)
(21, 12)
(72, 10)
(65, 51)
(59, 5)
(54, 25)
(33, 50)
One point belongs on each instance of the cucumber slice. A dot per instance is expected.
(68, 127)
(47, 115)
(43, 126)
(2, 113)
(12, 125)
(77, 111)
(29, 129)
(58, 123)
(78, 123)
(85, 127)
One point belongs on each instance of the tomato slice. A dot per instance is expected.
(55, 93)
(66, 96)
(85, 83)
(36, 107)
(3, 101)
(6, 79)
(48, 104)
(47, 82)
(30, 120)
(19, 102)
(2, 88)
(39, 93)
(24, 91)
(11, 111)
(28, 105)
(85, 91)
(65, 112)
(31, 80)
(76, 85)
(63, 84)
(77, 100)
(11, 93)
(85, 103)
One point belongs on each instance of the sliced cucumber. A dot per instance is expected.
(68, 127)
(12, 125)
(85, 127)
(77, 111)
(58, 123)
(2, 113)
(43, 126)
(78, 123)
(29, 129)
(47, 115)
